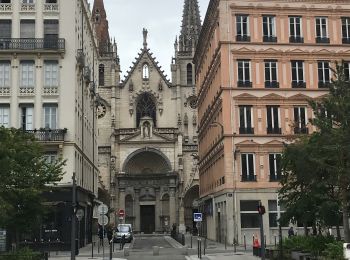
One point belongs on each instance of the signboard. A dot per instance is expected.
(197, 217)
(103, 220)
(80, 214)
(121, 213)
(102, 209)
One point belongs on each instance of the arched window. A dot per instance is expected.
(189, 74)
(101, 75)
(146, 107)
(129, 209)
(145, 71)
(165, 205)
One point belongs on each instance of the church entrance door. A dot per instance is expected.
(147, 216)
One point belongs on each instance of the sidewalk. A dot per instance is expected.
(224, 256)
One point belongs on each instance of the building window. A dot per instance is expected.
(27, 29)
(273, 121)
(51, 73)
(27, 114)
(347, 71)
(4, 116)
(249, 214)
(273, 213)
(244, 74)
(101, 75)
(321, 30)
(271, 74)
(28, 1)
(146, 107)
(247, 166)
(5, 68)
(275, 166)
(242, 28)
(50, 116)
(295, 29)
(189, 74)
(298, 74)
(51, 1)
(323, 74)
(5, 1)
(300, 120)
(5, 31)
(27, 74)
(269, 28)
(145, 71)
(245, 120)
(50, 157)
(51, 30)
(346, 29)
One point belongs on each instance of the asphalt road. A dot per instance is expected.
(147, 242)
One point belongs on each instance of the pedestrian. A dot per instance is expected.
(100, 234)
(109, 234)
(122, 242)
(290, 232)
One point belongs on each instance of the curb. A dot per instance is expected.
(173, 242)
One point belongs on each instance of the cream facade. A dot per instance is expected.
(48, 66)
(257, 65)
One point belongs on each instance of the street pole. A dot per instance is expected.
(74, 204)
(262, 237)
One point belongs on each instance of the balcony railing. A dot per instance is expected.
(346, 40)
(248, 177)
(50, 91)
(322, 40)
(244, 84)
(242, 38)
(51, 8)
(272, 84)
(296, 39)
(5, 91)
(32, 44)
(275, 177)
(27, 91)
(6, 7)
(322, 84)
(301, 130)
(26, 7)
(246, 130)
(269, 39)
(275, 130)
(298, 84)
(49, 135)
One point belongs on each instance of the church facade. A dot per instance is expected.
(148, 130)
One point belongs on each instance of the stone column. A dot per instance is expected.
(158, 211)
(121, 200)
(182, 226)
(172, 206)
(137, 210)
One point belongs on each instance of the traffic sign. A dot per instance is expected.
(121, 213)
(80, 214)
(197, 217)
(102, 209)
(102, 220)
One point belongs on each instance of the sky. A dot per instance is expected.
(162, 19)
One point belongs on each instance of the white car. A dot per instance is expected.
(123, 229)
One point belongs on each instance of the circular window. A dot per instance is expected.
(192, 101)
(101, 110)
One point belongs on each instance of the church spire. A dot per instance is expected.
(99, 17)
(191, 26)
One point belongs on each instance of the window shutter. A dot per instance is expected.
(5, 28)
(27, 29)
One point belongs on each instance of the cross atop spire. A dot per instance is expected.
(191, 26)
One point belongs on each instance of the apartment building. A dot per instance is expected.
(257, 65)
(48, 61)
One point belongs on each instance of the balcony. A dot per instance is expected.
(5, 7)
(296, 39)
(49, 135)
(275, 130)
(5, 91)
(324, 84)
(298, 84)
(246, 130)
(322, 40)
(50, 91)
(275, 177)
(242, 38)
(37, 44)
(269, 39)
(244, 84)
(26, 7)
(301, 130)
(51, 8)
(247, 178)
(346, 40)
(27, 91)
(272, 84)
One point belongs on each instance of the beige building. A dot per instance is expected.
(257, 65)
(48, 66)
(147, 131)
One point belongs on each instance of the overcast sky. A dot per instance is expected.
(162, 19)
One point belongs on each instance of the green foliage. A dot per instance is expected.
(334, 251)
(22, 254)
(24, 175)
(313, 244)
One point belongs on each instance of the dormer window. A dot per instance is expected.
(145, 71)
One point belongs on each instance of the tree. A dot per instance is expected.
(24, 175)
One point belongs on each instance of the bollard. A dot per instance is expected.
(234, 245)
(225, 243)
(126, 252)
(200, 249)
(191, 240)
(245, 243)
(265, 241)
(275, 241)
(156, 250)
(110, 249)
(183, 239)
(205, 245)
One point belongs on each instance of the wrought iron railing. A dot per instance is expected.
(49, 135)
(32, 44)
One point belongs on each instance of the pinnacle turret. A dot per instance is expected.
(191, 26)
(99, 17)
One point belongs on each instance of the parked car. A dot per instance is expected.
(123, 229)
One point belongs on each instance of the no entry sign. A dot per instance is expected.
(121, 213)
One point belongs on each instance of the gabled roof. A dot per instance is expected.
(145, 51)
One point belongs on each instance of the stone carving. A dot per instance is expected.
(186, 119)
(131, 86)
(146, 130)
(179, 120)
(194, 119)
